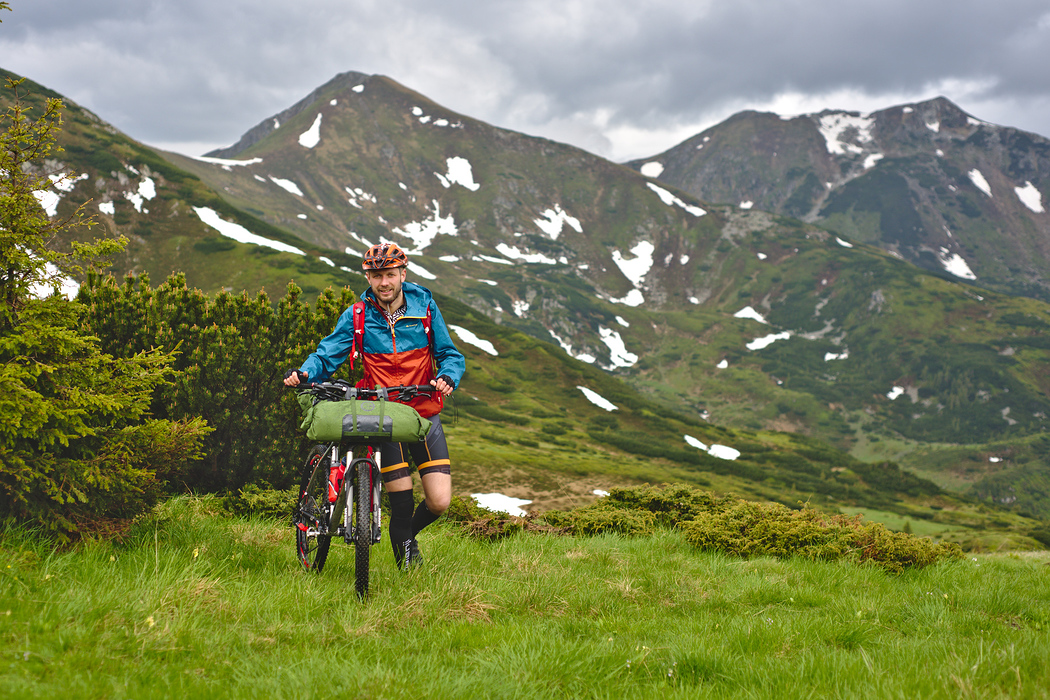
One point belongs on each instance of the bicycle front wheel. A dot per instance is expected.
(362, 524)
(312, 536)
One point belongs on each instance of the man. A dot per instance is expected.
(397, 349)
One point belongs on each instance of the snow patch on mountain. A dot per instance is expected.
(66, 183)
(136, 200)
(671, 200)
(977, 178)
(239, 233)
(358, 193)
(583, 357)
(636, 268)
(492, 259)
(358, 89)
(955, 264)
(423, 233)
(719, 451)
(693, 442)
(618, 354)
(652, 169)
(833, 127)
(1030, 197)
(514, 253)
(147, 188)
(417, 269)
(844, 244)
(555, 219)
(286, 185)
(724, 452)
(107, 208)
(767, 340)
(501, 503)
(227, 163)
(459, 173)
(747, 204)
(48, 201)
(312, 136)
(597, 399)
(633, 298)
(470, 338)
(872, 159)
(749, 312)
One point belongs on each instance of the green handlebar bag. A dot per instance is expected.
(357, 420)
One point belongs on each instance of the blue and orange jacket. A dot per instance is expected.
(395, 355)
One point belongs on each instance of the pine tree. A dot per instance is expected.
(76, 441)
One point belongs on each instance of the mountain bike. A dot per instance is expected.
(339, 492)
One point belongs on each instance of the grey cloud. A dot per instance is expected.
(206, 70)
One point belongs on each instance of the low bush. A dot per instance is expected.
(254, 501)
(745, 528)
(483, 524)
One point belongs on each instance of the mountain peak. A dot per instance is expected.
(343, 82)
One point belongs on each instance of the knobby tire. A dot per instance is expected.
(310, 512)
(362, 525)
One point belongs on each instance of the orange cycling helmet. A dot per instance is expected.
(383, 255)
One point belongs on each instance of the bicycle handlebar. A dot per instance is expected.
(343, 391)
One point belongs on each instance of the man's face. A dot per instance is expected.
(386, 283)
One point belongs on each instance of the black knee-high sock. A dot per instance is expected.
(422, 517)
(400, 522)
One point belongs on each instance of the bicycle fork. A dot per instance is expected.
(343, 501)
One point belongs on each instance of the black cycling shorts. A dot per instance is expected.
(430, 456)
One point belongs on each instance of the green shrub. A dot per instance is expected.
(483, 524)
(745, 528)
(230, 353)
(77, 441)
(254, 501)
(754, 529)
(598, 520)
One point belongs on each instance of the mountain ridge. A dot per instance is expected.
(927, 181)
(622, 273)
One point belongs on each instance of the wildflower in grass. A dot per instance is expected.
(149, 621)
(196, 552)
(112, 558)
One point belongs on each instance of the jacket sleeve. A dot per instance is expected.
(332, 351)
(450, 361)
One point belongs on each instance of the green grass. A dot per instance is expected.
(194, 603)
(896, 521)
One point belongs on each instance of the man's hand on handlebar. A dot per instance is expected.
(445, 387)
(293, 377)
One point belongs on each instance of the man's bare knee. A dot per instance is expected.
(439, 503)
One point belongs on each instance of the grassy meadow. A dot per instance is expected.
(191, 602)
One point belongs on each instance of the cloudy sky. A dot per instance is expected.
(622, 78)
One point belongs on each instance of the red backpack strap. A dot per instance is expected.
(359, 332)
